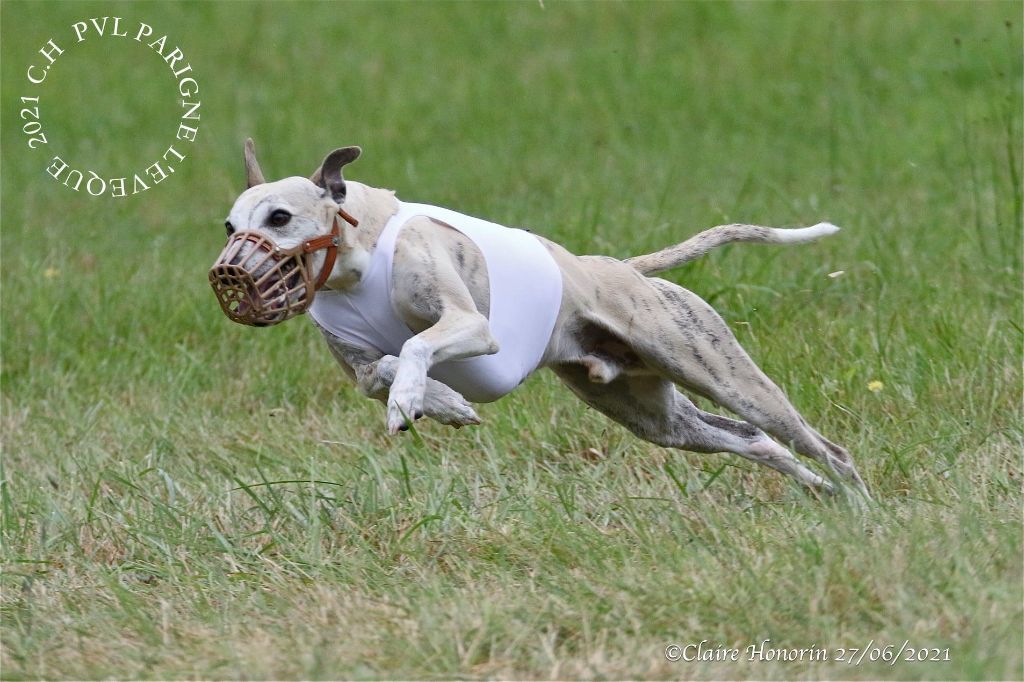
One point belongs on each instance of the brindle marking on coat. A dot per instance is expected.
(623, 341)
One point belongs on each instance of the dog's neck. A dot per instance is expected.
(372, 208)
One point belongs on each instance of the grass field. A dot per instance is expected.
(185, 497)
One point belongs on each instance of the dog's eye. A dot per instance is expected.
(229, 227)
(280, 218)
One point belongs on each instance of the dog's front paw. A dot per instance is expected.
(455, 414)
(404, 407)
(447, 406)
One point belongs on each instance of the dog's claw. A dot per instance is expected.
(396, 421)
(403, 408)
(395, 428)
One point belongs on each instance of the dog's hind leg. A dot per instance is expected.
(691, 345)
(654, 410)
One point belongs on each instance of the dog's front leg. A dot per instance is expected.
(430, 294)
(441, 403)
(373, 375)
(457, 334)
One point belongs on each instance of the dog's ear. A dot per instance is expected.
(253, 173)
(329, 176)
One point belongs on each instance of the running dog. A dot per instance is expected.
(427, 309)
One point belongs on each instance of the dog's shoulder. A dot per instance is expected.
(433, 259)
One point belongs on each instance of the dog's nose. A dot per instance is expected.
(229, 227)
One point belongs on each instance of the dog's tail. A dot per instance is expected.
(700, 244)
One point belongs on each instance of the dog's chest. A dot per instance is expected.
(526, 294)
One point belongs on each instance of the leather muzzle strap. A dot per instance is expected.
(330, 242)
(348, 219)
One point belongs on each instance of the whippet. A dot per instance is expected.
(427, 309)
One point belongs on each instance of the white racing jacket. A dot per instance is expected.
(526, 294)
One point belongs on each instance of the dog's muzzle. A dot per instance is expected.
(260, 284)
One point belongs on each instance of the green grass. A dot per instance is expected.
(185, 497)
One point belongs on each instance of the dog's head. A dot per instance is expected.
(285, 240)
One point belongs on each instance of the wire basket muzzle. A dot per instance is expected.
(259, 284)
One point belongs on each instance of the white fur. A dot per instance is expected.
(804, 234)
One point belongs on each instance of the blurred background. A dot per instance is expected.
(133, 410)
